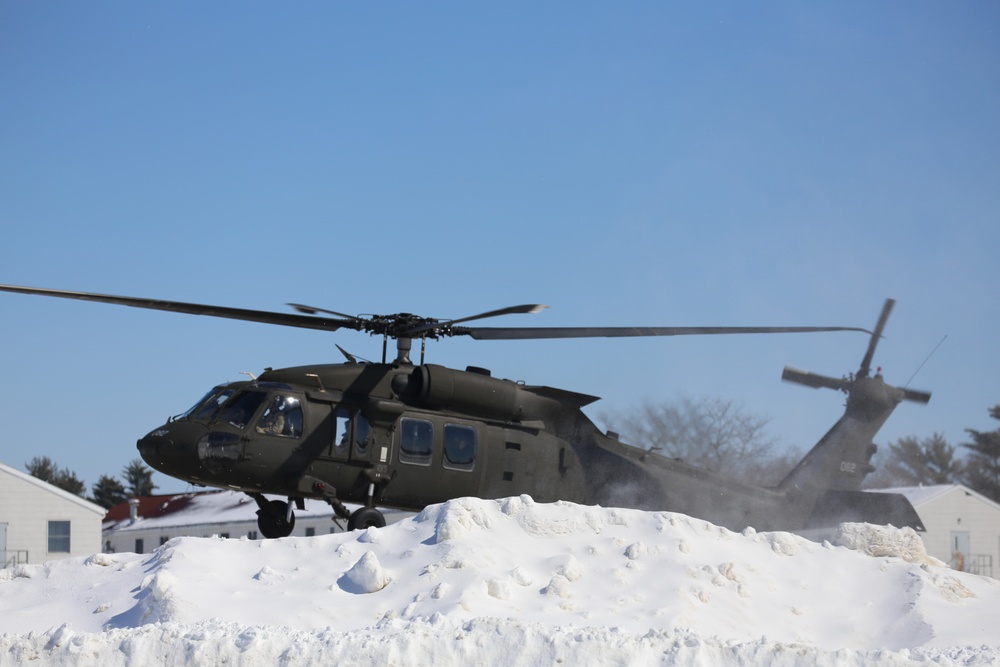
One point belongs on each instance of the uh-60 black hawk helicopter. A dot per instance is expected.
(404, 435)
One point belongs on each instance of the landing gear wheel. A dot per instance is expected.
(272, 521)
(366, 517)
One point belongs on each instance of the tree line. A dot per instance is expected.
(913, 461)
(136, 480)
(719, 435)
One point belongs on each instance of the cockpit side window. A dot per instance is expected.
(283, 417)
(241, 408)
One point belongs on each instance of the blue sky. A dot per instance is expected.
(652, 163)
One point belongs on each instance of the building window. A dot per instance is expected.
(138, 546)
(310, 532)
(58, 537)
(252, 535)
(163, 540)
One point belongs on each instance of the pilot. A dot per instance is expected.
(272, 423)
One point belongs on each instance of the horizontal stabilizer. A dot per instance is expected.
(837, 507)
(564, 396)
(797, 375)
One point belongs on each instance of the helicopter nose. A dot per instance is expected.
(168, 449)
(153, 446)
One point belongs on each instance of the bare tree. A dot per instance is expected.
(710, 433)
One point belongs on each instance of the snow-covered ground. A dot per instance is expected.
(507, 582)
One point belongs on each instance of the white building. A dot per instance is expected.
(963, 527)
(145, 523)
(40, 522)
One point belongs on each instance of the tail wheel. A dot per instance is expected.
(366, 517)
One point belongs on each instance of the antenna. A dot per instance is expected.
(925, 361)
(350, 357)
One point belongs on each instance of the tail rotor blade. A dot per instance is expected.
(814, 380)
(917, 396)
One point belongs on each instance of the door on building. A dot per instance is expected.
(3, 545)
(960, 550)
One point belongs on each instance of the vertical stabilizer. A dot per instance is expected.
(841, 460)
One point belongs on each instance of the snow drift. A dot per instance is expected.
(507, 581)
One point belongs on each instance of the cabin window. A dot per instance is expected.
(342, 432)
(59, 533)
(242, 408)
(416, 441)
(459, 447)
(362, 434)
(283, 417)
(345, 437)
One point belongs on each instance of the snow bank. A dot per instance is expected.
(507, 581)
(441, 643)
(884, 541)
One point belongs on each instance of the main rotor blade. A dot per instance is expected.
(510, 310)
(527, 309)
(361, 324)
(310, 310)
(265, 317)
(489, 333)
(876, 335)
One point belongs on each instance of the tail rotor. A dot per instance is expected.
(848, 383)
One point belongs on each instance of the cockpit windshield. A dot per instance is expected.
(236, 403)
(243, 406)
(209, 403)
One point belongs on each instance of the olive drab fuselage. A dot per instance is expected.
(386, 434)
(404, 436)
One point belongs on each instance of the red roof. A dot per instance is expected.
(153, 506)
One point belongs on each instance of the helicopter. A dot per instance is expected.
(404, 435)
